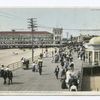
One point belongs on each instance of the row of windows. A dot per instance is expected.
(12, 42)
(89, 56)
(26, 43)
(9, 38)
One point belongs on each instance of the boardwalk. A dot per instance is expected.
(26, 80)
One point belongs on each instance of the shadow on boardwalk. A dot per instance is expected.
(17, 83)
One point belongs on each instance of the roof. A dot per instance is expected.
(24, 32)
(95, 41)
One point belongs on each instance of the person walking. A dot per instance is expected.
(68, 77)
(56, 72)
(27, 64)
(36, 67)
(71, 65)
(33, 67)
(23, 61)
(62, 63)
(66, 65)
(2, 70)
(10, 76)
(63, 73)
(5, 76)
(40, 64)
(46, 51)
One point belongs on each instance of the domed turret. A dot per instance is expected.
(95, 41)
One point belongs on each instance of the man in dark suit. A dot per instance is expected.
(56, 72)
(4, 76)
(10, 76)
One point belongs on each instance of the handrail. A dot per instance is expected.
(18, 64)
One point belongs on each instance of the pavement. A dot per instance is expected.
(26, 80)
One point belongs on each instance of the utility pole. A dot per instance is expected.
(32, 25)
(42, 45)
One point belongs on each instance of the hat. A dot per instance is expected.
(2, 65)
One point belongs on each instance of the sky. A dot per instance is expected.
(47, 18)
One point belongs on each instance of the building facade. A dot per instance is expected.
(92, 52)
(17, 38)
(57, 35)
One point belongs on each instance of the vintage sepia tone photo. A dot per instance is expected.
(47, 51)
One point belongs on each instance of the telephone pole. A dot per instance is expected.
(32, 25)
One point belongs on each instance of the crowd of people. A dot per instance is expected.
(69, 79)
(80, 49)
(37, 66)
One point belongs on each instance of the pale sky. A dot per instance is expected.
(72, 18)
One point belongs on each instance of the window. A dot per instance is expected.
(96, 58)
(86, 55)
(99, 55)
(90, 57)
